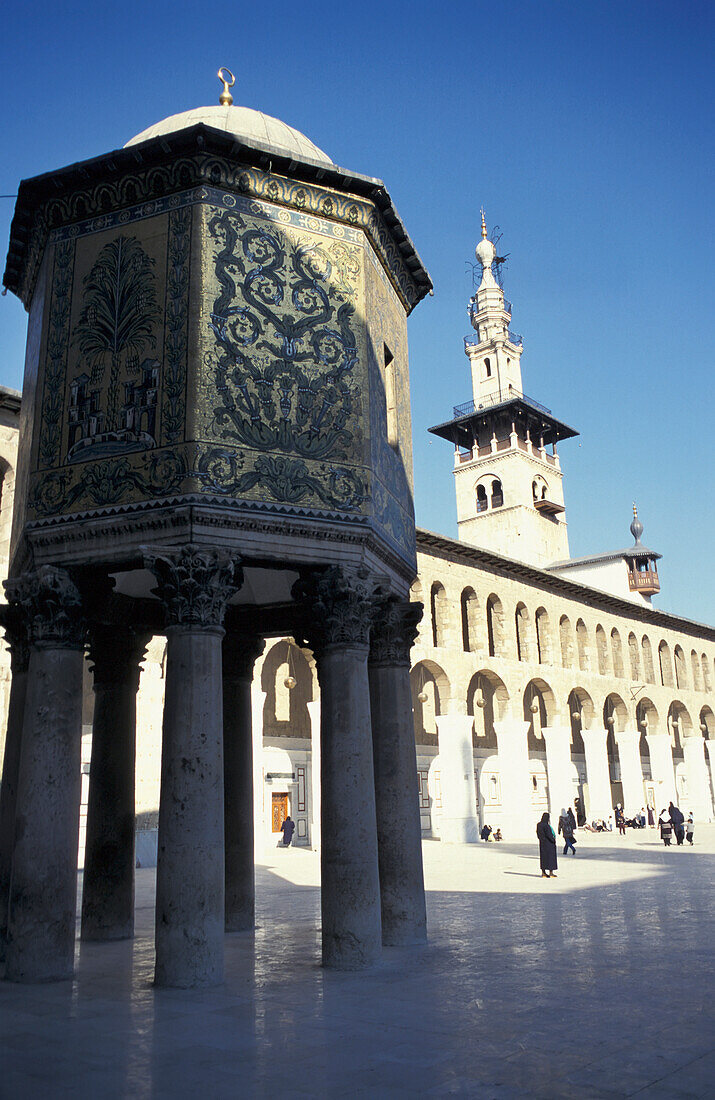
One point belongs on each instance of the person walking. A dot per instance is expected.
(566, 830)
(572, 819)
(620, 820)
(690, 828)
(287, 828)
(547, 847)
(666, 827)
(678, 819)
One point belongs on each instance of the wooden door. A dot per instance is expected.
(280, 811)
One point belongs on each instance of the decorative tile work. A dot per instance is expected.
(56, 359)
(176, 324)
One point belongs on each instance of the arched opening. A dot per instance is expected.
(601, 650)
(470, 620)
(539, 707)
(566, 640)
(287, 679)
(487, 700)
(430, 698)
(584, 661)
(647, 654)
(543, 637)
(666, 667)
(580, 718)
(695, 669)
(706, 673)
(680, 726)
(497, 493)
(439, 608)
(487, 368)
(615, 716)
(522, 625)
(482, 502)
(633, 656)
(495, 626)
(615, 713)
(617, 653)
(707, 723)
(646, 717)
(681, 675)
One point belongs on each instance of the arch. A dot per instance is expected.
(495, 626)
(584, 657)
(615, 713)
(617, 654)
(707, 723)
(470, 620)
(647, 718)
(439, 609)
(647, 654)
(581, 713)
(430, 679)
(285, 710)
(634, 656)
(497, 497)
(543, 636)
(522, 626)
(695, 669)
(539, 488)
(416, 590)
(681, 673)
(482, 499)
(566, 640)
(539, 710)
(680, 726)
(706, 673)
(666, 666)
(487, 700)
(602, 650)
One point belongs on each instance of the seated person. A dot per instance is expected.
(497, 835)
(486, 832)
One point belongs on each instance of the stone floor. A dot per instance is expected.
(596, 984)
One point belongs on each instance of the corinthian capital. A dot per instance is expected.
(338, 608)
(116, 653)
(194, 584)
(394, 631)
(50, 605)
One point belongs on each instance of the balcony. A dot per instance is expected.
(515, 339)
(499, 398)
(647, 581)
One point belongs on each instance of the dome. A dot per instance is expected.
(251, 127)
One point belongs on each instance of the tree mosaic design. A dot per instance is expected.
(286, 357)
(119, 312)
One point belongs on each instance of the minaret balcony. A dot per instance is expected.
(646, 581)
(548, 507)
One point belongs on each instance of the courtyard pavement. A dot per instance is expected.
(596, 984)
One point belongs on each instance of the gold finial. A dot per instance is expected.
(226, 99)
(635, 511)
(484, 226)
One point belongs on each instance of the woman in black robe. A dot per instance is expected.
(547, 847)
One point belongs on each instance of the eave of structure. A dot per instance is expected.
(461, 430)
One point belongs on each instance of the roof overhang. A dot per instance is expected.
(461, 429)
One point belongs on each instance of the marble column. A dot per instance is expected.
(518, 816)
(108, 884)
(258, 702)
(710, 753)
(696, 770)
(16, 639)
(314, 712)
(43, 891)
(458, 823)
(338, 613)
(194, 585)
(661, 769)
(399, 834)
(629, 758)
(240, 653)
(597, 774)
(559, 769)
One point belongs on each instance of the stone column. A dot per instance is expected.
(314, 712)
(661, 768)
(698, 779)
(559, 769)
(629, 757)
(258, 702)
(240, 653)
(710, 753)
(15, 626)
(516, 788)
(194, 584)
(597, 774)
(43, 890)
(108, 885)
(399, 834)
(338, 612)
(458, 823)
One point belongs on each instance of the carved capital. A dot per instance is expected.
(394, 631)
(51, 605)
(338, 608)
(115, 653)
(194, 584)
(240, 653)
(14, 622)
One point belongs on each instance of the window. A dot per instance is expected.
(497, 494)
(482, 502)
(487, 368)
(388, 377)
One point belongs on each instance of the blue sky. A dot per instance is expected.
(584, 128)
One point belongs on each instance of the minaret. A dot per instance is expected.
(509, 485)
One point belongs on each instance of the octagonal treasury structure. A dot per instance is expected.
(217, 352)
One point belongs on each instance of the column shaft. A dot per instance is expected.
(8, 787)
(661, 766)
(516, 789)
(399, 836)
(559, 769)
(597, 774)
(41, 926)
(458, 823)
(698, 779)
(190, 863)
(629, 757)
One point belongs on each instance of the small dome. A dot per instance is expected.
(251, 127)
(485, 252)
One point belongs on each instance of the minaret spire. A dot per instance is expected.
(484, 226)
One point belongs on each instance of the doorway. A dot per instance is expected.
(279, 811)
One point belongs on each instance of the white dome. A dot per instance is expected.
(245, 125)
(485, 252)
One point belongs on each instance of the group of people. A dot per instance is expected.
(672, 821)
(547, 840)
(487, 833)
